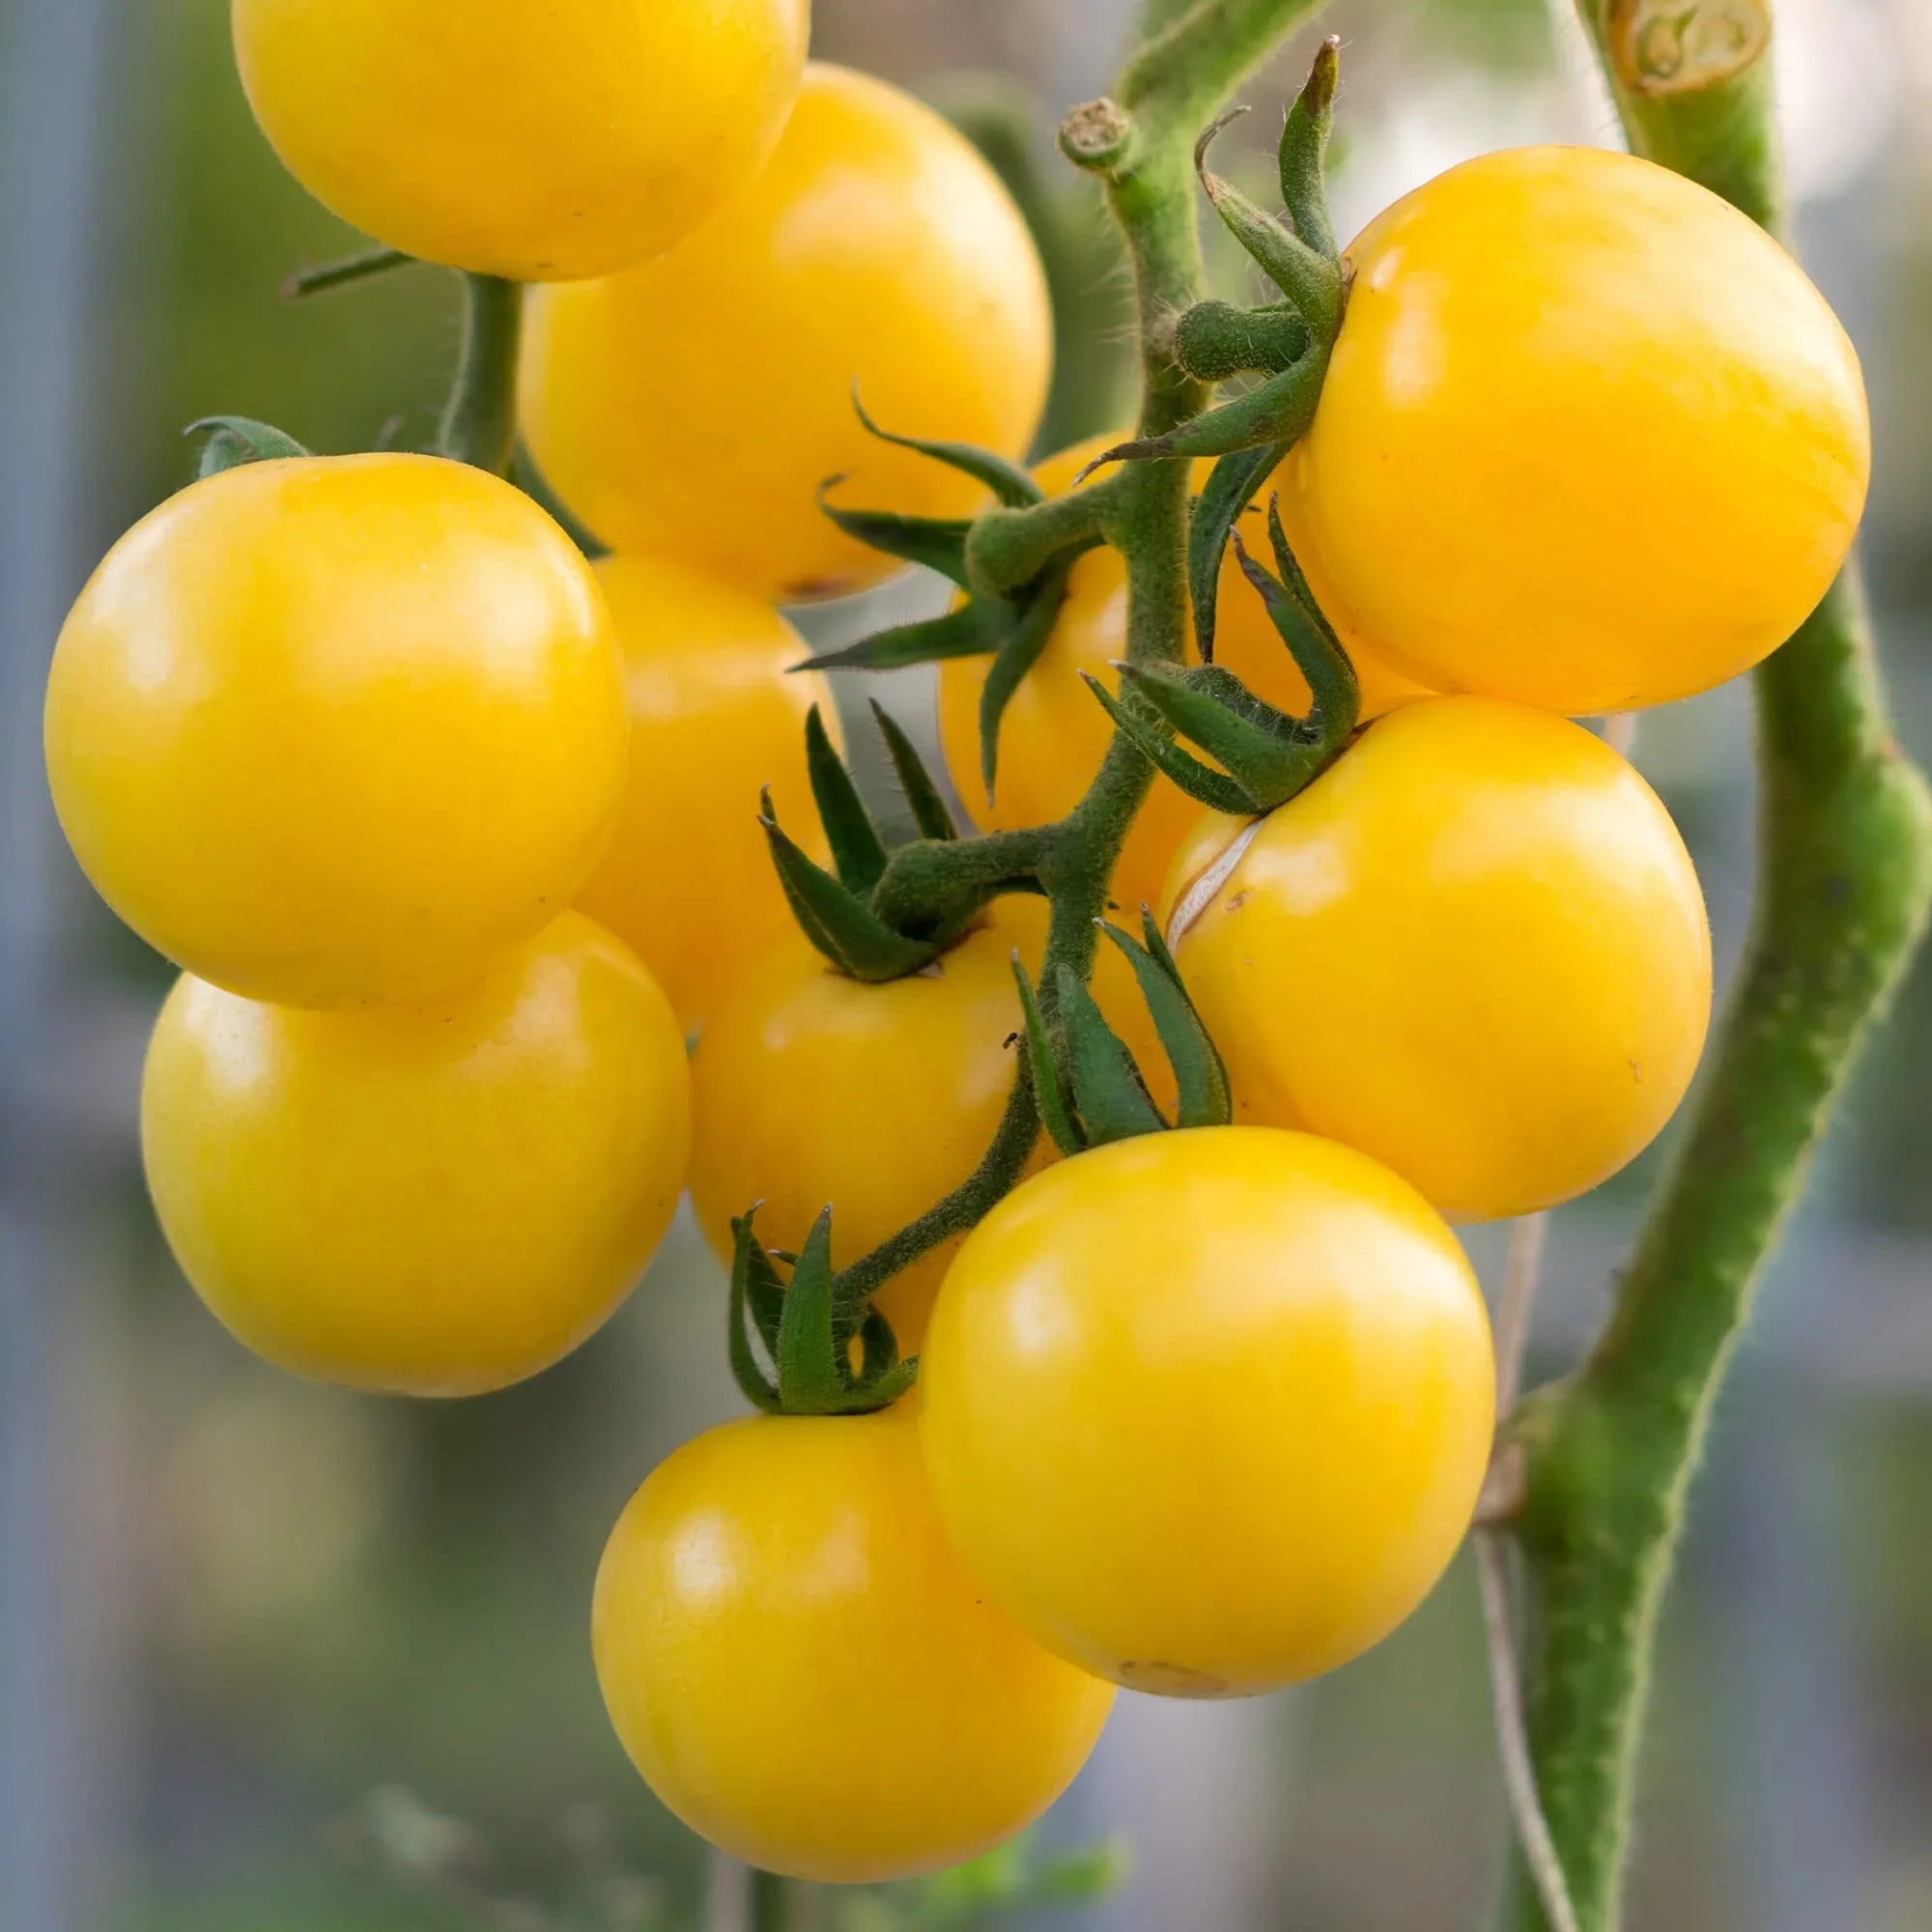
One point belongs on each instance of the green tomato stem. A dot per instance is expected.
(480, 421)
(771, 1903)
(343, 274)
(1843, 894)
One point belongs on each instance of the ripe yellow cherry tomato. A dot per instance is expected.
(1590, 439)
(1475, 948)
(688, 881)
(1054, 734)
(694, 406)
(435, 1199)
(811, 1089)
(541, 143)
(1207, 1413)
(338, 728)
(803, 1673)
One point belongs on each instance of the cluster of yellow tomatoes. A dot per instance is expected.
(453, 835)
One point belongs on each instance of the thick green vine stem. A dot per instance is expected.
(1142, 149)
(1844, 888)
(479, 422)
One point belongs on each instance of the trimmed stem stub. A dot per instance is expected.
(1096, 135)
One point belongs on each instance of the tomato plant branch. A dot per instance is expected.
(1844, 888)
(1146, 162)
(341, 274)
(480, 421)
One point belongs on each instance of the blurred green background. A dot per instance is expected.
(233, 1607)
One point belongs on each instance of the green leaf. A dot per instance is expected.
(1304, 150)
(977, 628)
(939, 543)
(233, 441)
(812, 1378)
(923, 796)
(1200, 782)
(1109, 1094)
(1049, 1091)
(841, 926)
(1017, 656)
(1231, 488)
(858, 852)
(1201, 1080)
(1008, 481)
(748, 1295)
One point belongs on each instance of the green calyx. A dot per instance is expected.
(807, 1332)
(233, 441)
(1012, 564)
(1085, 1081)
(1287, 342)
(1265, 755)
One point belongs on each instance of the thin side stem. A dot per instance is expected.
(1844, 888)
(342, 274)
(771, 1903)
(480, 421)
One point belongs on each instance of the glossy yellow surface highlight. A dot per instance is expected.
(688, 880)
(1054, 733)
(694, 406)
(810, 1088)
(542, 143)
(1590, 439)
(1207, 1413)
(803, 1672)
(431, 1199)
(338, 728)
(1475, 948)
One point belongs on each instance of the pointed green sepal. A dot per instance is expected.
(1109, 1096)
(839, 923)
(1304, 150)
(1231, 488)
(1259, 747)
(858, 852)
(758, 1297)
(975, 629)
(1200, 1078)
(1200, 782)
(1310, 280)
(929, 811)
(1278, 411)
(1310, 637)
(233, 441)
(1008, 481)
(813, 1377)
(1017, 656)
(939, 543)
(1049, 1088)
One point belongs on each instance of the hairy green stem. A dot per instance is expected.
(480, 421)
(1143, 510)
(1844, 888)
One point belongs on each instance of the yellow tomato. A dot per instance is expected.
(435, 1199)
(338, 728)
(541, 143)
(694, 407)
(1054, 734)
(688, 881)
(810, 1088)
(1590, 439)
(803, 1672)
(1475, 948)
(1207, 1413)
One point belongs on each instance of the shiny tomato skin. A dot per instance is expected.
(694, 407)
(540, 143)
(1589, 439)
(431, 1199)
(1475, 948)
(336, 729)
(803, 1672)
(1207, 1411)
